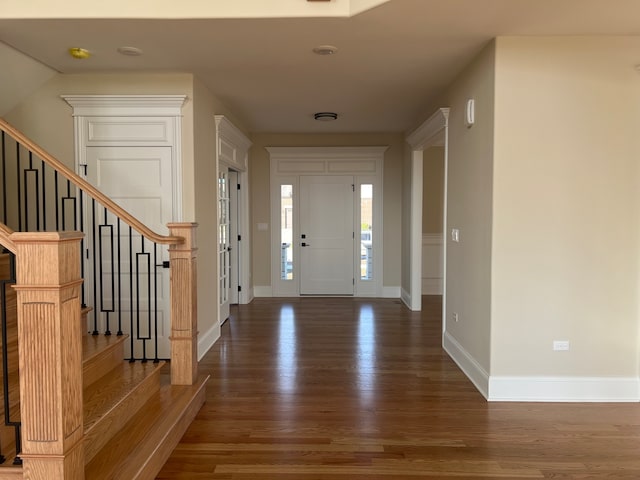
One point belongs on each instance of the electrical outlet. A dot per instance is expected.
(561, 345)
(455, 316)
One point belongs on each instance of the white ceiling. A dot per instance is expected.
(393, 60)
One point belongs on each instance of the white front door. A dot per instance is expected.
(139, 180)
(326, 235)
(224, 243)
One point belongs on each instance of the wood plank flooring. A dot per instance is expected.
(345, 389)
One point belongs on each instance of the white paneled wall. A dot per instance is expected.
(432, 264)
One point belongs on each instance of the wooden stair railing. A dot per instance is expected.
(49, 299)
(122, 257)
(89, 189)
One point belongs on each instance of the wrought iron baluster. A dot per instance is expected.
(56, 194)
(4, 180)
(155, 301)
(119, 263)
(104, 309)
(19, 190)
(131, 319)
(95, 276)
(44, 196)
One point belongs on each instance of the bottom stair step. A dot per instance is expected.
(143, 445)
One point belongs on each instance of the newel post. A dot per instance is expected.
(50, 354)
(184, 313)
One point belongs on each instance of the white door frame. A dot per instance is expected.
(131, 121)
(433, 131)
(366, 164)
(159, 116)
(232, 151)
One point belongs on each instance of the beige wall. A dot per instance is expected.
(46, 118)
(205, 107)
(19, 77)
(566, 210)
(433, 190)
(260, 197)
(468, 276)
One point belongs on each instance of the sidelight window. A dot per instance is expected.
(286, 232)
(366, 231)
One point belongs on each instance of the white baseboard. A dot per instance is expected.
(564, 389)
(432, 286)
(406, 298)
(207, 339)
(391, 292)
(247, 297)
(266, 291)
(471, 368)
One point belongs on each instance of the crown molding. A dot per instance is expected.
(428, 133)
(126, 105)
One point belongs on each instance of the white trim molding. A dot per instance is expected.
(90, 111)
(126, 105)
(206, 341)
(432, 132)
(232, 145)
(232, 151)
(469, 365)
(564, 389)
(366, 166)
(539, 388)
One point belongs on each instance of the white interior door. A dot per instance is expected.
(224, 243)
(138, 179)
(326, 235)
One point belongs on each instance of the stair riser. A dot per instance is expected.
(103, 430)
(149, 469)
(110, 358)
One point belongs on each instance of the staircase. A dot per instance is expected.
(133, 416)
(85, 411)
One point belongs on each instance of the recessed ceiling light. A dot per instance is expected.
(325, 116)
(79, 53)
(130, 51)
(325, 50)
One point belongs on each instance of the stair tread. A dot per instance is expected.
(103, 396)
(94, 345)
(154, 431)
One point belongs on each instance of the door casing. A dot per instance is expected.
(287, 165)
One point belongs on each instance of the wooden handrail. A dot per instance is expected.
(89, 189)
(5, 240)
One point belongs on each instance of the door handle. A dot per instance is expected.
(304, 244)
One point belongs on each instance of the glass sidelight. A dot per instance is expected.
(286, 232)
(366, 231)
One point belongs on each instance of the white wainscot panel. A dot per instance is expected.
(285, 166)
(127, 131)
(432, 264)
(342, 166)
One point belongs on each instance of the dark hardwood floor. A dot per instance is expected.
(344, 389)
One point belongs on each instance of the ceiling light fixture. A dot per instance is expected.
(79, 53)
(325, 50)
(325, 116)
(130, 51)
